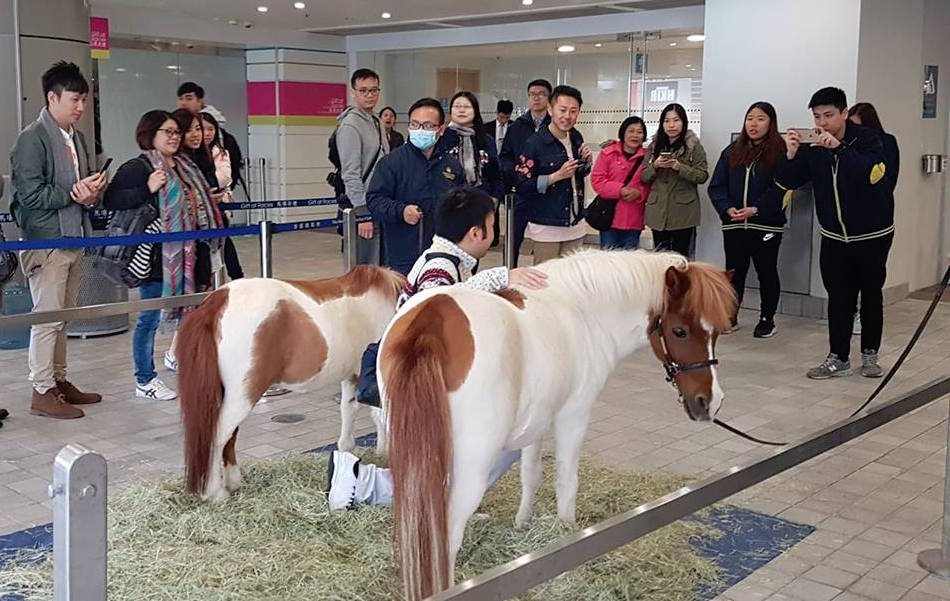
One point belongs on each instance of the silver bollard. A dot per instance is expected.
(937, 561)
(264, 185)
(267, 260)
(79, 492)
(247, 190)
(349, 239)
(510, 230)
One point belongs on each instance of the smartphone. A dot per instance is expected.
(666, 155)
(218, 190)
(105, 167)
(809, 135)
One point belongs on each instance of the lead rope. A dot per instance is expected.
(941, 288)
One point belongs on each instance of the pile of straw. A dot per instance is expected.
(276, 539)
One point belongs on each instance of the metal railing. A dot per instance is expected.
(528, 571)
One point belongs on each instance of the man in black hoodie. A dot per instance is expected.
(525, 126)
(855, 208)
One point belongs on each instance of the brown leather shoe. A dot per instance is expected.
(52, 404)
(73, 395)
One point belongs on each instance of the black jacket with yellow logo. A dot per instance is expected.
(854, 200)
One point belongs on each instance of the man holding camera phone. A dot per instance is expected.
(855, 209)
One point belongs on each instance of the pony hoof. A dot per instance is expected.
(219, 496)
(570, 523)
(233, 478)
(522, 521)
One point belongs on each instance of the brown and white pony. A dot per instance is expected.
(465, 375)
(254, 333)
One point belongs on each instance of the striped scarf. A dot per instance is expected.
(184, 205)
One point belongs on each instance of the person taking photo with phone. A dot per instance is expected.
(676, 167)
(854, 203)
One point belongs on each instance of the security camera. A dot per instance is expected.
(248, 25)
(189, 46)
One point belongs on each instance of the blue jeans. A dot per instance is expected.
(143, 338)
(625, 239)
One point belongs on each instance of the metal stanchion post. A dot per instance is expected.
(247, 170)
(267, 271)
(349, 239)
(937, 561)
(264, 185)
(510, 230)
(79, 492)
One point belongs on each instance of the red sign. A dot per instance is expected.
(99, 37)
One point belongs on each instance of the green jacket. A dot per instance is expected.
(36, 198)
(673, 203)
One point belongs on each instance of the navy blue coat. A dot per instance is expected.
(740, 187)
(406, 177)
(854, 198)
(518, 133)
(556, 204)
(488, 166)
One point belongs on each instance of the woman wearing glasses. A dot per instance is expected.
(175, 188)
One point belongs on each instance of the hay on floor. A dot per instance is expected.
(276, 539)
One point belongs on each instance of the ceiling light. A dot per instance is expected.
(696, 37)
(598, 45)
(172, 67)
(688, 66)
(386, 15)
(527, 2)
(672, 43)
(120, 69)
(262, 9)
(300, 5)
(565, 48)
(232, 22)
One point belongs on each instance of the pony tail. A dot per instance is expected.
(420, 458)
(199, 386)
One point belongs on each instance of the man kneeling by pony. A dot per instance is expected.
(464, 233)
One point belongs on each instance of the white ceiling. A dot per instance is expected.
(363, 16)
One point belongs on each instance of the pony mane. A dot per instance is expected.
(710, 295)
(356, 282)
(592, 275)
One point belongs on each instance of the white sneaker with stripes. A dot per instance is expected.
(155, 390)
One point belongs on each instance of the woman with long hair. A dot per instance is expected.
(172, 184)
(198, 179)
(222, 171)
(617, 175)
(864, 113)
(676, 166)
(387, 117)
(751, 207)
(466, 139)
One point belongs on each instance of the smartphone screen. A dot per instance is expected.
(105, 167)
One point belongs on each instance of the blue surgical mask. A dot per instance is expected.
(422, 139)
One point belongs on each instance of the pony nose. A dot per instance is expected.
(703, 402)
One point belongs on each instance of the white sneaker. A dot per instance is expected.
(171, 363)
(155, 390)
(342, 474)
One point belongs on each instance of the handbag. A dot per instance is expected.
(8, 262)
(114, 262)
(599, 214)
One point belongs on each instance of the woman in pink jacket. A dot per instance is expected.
(610, 173)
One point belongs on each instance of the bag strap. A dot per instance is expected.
(379, 149)
(636, 164)
(454, 259)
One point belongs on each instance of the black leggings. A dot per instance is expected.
(743, 245)
(679, 241)
(231, 261)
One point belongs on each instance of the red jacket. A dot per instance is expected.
(607, 178)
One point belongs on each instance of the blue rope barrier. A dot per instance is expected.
(230, 206)
(248, 230)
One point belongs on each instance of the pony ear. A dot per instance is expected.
(677, 282)
(731, 273)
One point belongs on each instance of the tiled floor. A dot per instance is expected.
(875, 501)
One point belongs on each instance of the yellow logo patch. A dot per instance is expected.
(877, 173)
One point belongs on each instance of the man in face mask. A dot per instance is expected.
(407, 184)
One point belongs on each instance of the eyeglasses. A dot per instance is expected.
(367, 91)
(171, 133)
(537, 95)
(423, 126)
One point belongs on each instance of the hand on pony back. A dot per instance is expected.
(528, 277)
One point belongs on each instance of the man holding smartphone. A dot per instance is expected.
(855, 210)
(53, 185)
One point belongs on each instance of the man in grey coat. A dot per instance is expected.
(53, 186)
(361, 143)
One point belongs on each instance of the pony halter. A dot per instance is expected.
(673, 368)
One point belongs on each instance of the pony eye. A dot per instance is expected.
(680, 332)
